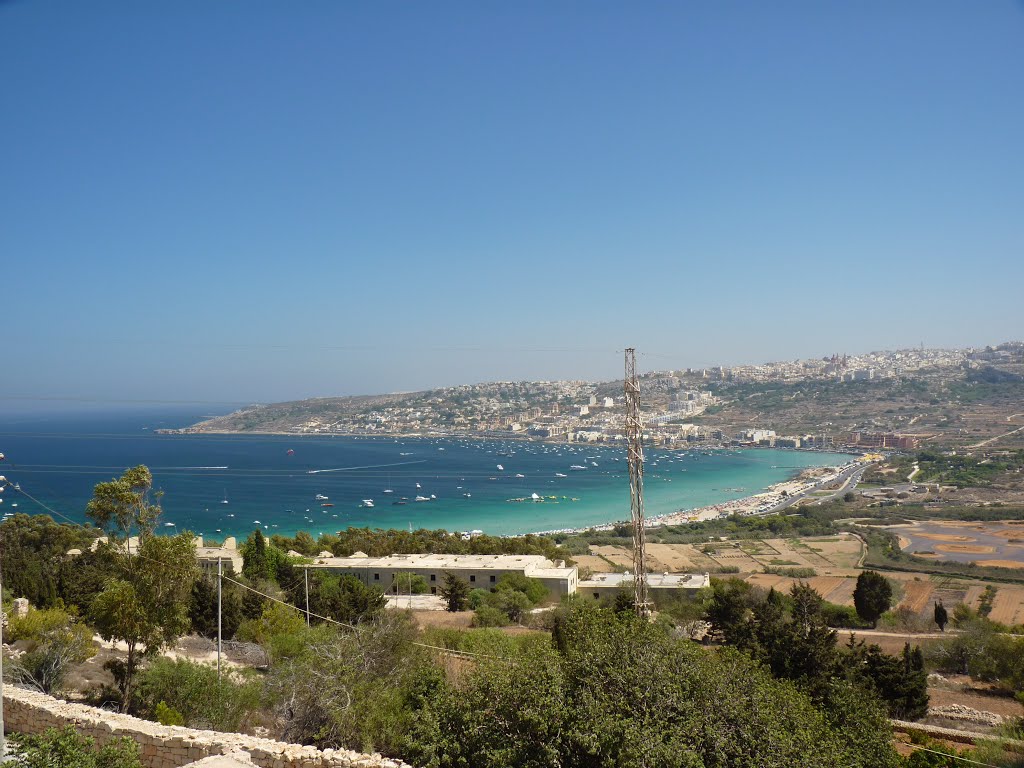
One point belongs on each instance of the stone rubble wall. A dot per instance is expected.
(170, 746)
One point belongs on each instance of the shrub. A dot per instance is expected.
(55, 641)
(489, 616)
(66, 749)
(169, 688)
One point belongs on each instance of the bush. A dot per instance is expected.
(167, 689)
(478, 597)
(574, 705)
(489, 616)
(842, 616)
(66, 749)
(55, 641)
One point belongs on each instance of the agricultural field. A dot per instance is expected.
(829, 565)
(998, 544)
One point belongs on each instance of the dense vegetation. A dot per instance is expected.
(599, 687)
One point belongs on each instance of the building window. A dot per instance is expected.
(433, 577)
(376, 577)
(493, 578)
(597, 595)
(472, 577)
(433, 590)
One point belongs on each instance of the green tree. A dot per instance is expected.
(872, 596)
(615, 690)
(123, 505)
(146, 606)
(941, 616)
(202, 611)
(455, 591)
(342, 597)
(255, 564)
(34, 547)
(413, 583)
(534, 589)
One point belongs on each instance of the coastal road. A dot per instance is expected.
(850, 478)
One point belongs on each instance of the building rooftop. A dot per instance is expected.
(654, 580)
(531, 564)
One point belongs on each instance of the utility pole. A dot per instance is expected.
(220, 581)
(635, 457)
(306, 570)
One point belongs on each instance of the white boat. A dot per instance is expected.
(418, 485)
(367, 502)
(421, 498)
(520, 475)
(501, 468)
(388, 490)
(256, 522)
(577, 467)
(468, 495)
(320, 497)
(559, 474)
(168, 525)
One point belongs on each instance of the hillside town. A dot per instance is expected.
(682, 407)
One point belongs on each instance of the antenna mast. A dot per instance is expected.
(635, 450)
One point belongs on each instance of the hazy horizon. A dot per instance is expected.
(231, 204)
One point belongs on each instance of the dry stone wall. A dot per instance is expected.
(171, 746)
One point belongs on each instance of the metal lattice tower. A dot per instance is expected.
(635, 453)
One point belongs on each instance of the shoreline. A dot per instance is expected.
(768, 501)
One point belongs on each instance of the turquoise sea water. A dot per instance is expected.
(275, 479)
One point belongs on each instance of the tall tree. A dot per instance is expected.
(146, 605)
(124, 505)
(872, 596)
(455, 591)
(941, 616)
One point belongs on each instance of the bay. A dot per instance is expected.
(220, 485)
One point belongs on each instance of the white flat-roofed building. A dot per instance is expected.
(601, 584)
(228, 554)
(481, 571)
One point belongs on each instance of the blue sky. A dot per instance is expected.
(260, 201)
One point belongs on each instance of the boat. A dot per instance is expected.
(168, 525)
(421, 498)
(367, 502)
(418, 485)
(256, 522)
(501, 468)
(225, 499)
(560, 474)
(388, 490)
(520, 475)
(468, 495)
(326, 505)
(577, 467)
(320, 497)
